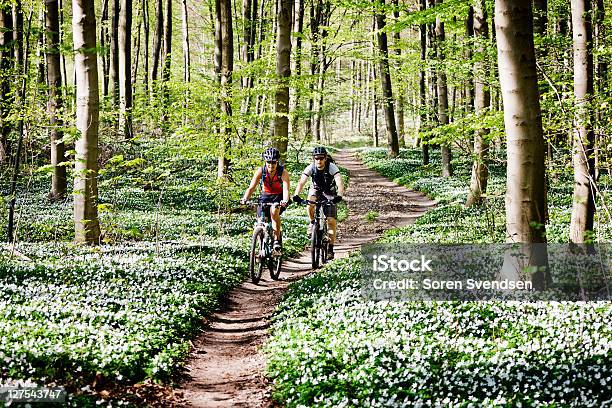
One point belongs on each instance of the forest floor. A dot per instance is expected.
(226, 367)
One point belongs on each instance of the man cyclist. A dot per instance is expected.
(327, 183)
(274, 181)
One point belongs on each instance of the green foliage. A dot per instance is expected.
(451, 221)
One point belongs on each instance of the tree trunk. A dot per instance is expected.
(157, 43)
(186, 57)
(104, 55)
(401, 127)
(374, 109)
(247, 46)
(6, 96)
(422, 95)
(602, 84)
(18, 34)
(136, 64)
(322, 28)
(21, 105)
(447, 170)
(114, 51)
(298, 27)
(87, 227)
(385, 80)
(224, 14)
(283, 72)
(482, 100)
(525, 196)
(145, 24)
(62, 56)
(186, 52)
(469, 33)
(167, 61)
(125, 69)
(540, 16)
(583, 208)
(54, 105)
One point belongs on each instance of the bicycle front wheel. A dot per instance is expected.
(314, 247)
(257, 255)
(274, 266)
(323, 241)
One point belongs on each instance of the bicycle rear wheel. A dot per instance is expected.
(314, 247)
(323, 244)
(257, 255)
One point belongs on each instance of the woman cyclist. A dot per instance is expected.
(274, 181)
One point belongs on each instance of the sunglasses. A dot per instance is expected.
(271, 162)
(320, 158)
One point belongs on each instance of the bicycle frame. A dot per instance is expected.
(319, 238)
(261, 248)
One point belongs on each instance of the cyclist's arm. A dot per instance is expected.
(300, 185)
(253, 185)
(338, 180)
(286, 183)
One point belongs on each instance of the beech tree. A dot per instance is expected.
(583, 208)
(6, 60)
(283, 72)
(447, 170)
(87, 226)
(525, 194)
(125, 69)
(54, 105)
(225, 51)
(385, 79)
(482, 99)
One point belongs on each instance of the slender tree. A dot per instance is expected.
(146, 24)
(114, 52)
(385, 79)
(401, 131)
(283, 72)
(422, 95)
(186, 49)
(125, 69)
(157, 42)
(525, 194)
(583, 208)
(18, 34)
(296, 62)
(55, 104)
(482, 99)
(87, 227)
(447, 170)
(104, 54)
(226, 60)
(6, 61)
(167, 60)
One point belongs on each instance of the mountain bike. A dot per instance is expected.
(319, 238)
(260, 255)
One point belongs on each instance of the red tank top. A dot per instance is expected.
(272, 184)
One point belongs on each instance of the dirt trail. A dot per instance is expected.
(226, 368)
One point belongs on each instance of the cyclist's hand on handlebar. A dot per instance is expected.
(243, 201)
(284, 203)
(337, 199)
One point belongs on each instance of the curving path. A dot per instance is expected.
(226, 368)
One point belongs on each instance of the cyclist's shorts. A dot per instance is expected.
(330, 210)
(268, 198)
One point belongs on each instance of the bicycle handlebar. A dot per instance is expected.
(324, 201)
(251, 202)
